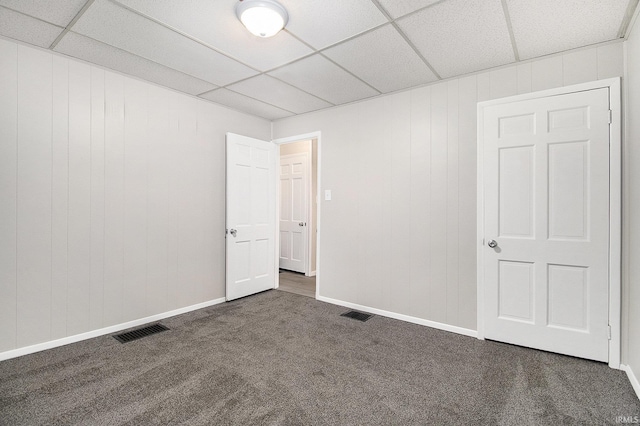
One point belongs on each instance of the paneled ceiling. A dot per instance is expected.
(332, 51)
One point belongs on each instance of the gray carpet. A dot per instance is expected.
(280, 358)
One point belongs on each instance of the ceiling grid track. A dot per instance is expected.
(404, 36)
(349, 72)
(183, 34)
(505, 8)
(75, 19)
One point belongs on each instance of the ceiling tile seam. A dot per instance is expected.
(271, 69)
(286, 30)
(295, 87)
(255, 99)
(240, 110)
(338, 43)
(629, 14)
(185, 35)
(429, 6)
(348, 39)
(512, 36)
(141, 57)
(382, 10)
(415, 49)
(349, 72)
(70, 25)
(31, 16)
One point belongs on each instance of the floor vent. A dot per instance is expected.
(130, 336)
(360, 316)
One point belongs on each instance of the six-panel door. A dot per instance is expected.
(546, 197)
(294, 205)
(251, 167)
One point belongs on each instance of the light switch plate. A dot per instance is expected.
(327, 195)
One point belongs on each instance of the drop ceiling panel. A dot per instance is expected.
(280, 94)
(398, 8)
(24, 28)
(215, 23)
(246, 104)
(322, 23)
(383, 59)
(116, 26)
(87, 49)
(59, 12)
(320, 77)
(461, 36)
(548, 26)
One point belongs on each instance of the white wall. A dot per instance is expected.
(400, 232)
(631, 228)
(111, 197)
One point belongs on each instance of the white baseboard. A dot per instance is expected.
(632, 378)
(312, 274)
(401, 317)
(102, 331)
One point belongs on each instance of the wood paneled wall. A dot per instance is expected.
(111, 197)
(400, 232)
(631, 212)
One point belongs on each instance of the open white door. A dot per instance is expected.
(546, 223)
(251, 216)
(294, 207)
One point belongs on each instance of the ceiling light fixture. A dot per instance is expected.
(263, 18)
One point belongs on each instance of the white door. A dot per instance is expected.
(546, 198)
(251, 225)
(294, 205)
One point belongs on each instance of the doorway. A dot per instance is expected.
(298, 215)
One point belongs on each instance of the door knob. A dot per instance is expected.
(492, 243)
(233, 232)
(301, 224)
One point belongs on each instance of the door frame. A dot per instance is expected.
(299, 138)
(615, 202)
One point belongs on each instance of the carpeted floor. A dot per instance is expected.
(280, 358)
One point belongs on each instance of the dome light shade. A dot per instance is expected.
(263, 18)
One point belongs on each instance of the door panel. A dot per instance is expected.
(251, 192)
(294, 207)
(546, 198)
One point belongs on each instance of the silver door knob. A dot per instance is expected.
(233, 232)
(492, 243)
(301, 224)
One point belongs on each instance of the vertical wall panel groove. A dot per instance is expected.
(438, 202)
(157, 201)
(135, 200)
(60, 199)
(97, 198)
(8, 193)
(34, 196)
(114, 199)
(420, 217)
(398, 282)
(79, 244)
(453, 218)
(467, 166)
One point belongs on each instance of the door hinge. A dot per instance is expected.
(609, 332)
(610, 116)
